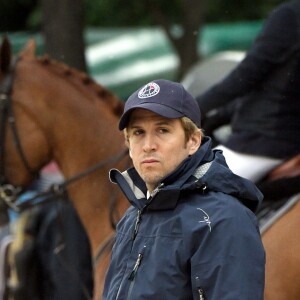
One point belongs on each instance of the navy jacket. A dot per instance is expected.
(265, 86)
(196, 236)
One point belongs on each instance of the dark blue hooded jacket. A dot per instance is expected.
(196, 236)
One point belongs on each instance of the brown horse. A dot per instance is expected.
(60, 114)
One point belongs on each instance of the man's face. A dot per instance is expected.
(157, 145)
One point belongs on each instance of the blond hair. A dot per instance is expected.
(189, 128)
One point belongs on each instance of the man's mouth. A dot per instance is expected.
(149, 161)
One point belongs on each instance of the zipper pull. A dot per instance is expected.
(136, 266)
(137, 224)
(201, 294)
(199, 289)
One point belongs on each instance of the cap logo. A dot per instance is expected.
(149, 90)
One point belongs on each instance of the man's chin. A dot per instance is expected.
(151, 180)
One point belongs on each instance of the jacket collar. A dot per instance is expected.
(205, 171)
(167, 193)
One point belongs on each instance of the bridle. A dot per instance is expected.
(8, 192)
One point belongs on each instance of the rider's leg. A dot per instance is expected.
(249, 166)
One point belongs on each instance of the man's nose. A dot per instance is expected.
(149, 143)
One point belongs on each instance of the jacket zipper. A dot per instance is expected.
(136, 266)
(137, 224)
(133, 274)
(140, 211)
(134, 234)
(131, 277)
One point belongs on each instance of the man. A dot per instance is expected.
(263, 96)
(190, 232)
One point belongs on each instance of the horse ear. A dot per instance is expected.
(29, 49)
(5, 54)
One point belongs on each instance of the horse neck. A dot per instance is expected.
(81, 130)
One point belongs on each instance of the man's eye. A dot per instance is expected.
(163, 130)
(137, 132)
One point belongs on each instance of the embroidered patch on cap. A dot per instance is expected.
(149, 90)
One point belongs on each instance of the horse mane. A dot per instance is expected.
(102, 93)
(70, 73)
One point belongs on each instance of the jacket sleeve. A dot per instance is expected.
(275, 42)
(229, 262)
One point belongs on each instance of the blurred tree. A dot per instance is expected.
(116, 13)
(14, 14)
(239, 10)
(190, 21)
(63, 26)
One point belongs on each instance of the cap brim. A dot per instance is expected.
(160, 109)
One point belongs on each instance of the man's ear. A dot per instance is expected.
(194, 142)
(128, 146)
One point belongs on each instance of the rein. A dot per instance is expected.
(61, 188)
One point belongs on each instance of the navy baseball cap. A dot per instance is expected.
(163, 97)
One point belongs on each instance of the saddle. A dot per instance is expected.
(281, 189)
(283, 181)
